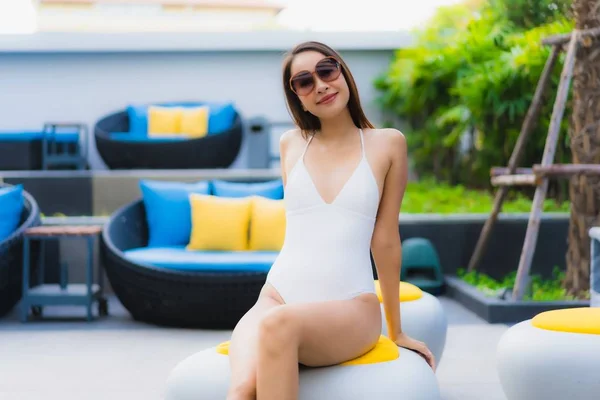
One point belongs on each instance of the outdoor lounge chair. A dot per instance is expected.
(122, 148)
(169, 297)
(11, 255)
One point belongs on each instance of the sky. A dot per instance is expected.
(17, 16)
(364, 15)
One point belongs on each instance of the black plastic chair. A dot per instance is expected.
(215, 151)
(192, 299)
(11, 257)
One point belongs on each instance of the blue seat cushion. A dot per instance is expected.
(168, 210)
(28, 136)
(180, 259)
(64, 137)
(11, 207)
(270, 189)
(130, 137)
(20, 136)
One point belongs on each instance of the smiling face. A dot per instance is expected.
(319, 83)
(323, 87)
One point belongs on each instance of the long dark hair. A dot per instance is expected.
(306, 121)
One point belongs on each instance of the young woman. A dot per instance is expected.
(344, 183)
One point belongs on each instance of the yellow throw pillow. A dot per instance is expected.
(194, 121)
(164, 120)
(267, 224)
(219, 223)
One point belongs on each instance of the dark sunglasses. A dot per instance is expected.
(327, 69)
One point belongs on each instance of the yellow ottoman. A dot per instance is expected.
(422, 317)
(385, 372)
(554, 356)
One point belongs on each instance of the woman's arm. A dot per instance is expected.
(284, 140)
(385, 245)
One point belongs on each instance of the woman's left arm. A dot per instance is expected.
(386, 245)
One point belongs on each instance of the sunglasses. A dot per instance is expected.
(327, 69)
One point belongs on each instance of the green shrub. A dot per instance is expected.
(540, 290)
(471, 76)
(429, 196)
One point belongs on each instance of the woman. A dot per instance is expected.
(344, 182)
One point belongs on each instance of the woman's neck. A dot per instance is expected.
(335, 128)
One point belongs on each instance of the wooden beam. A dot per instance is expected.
(529, 244)
(554, 170)
(566, 169)
(497, 171)
(515, 157)
(514, 180)
(559, 40)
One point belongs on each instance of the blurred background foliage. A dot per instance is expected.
(463, 89)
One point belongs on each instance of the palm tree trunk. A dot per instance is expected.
(584, 134)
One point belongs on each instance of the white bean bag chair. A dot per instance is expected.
(422, 317)
(384, 373)
(554, 356)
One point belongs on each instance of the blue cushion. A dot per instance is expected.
(178, 258)
(11, 207)
(64, 137)
(221, 116)
(271, 189)
(138, 119)
(130, 137)
(27, 136)
(168, 210)
(20, 136)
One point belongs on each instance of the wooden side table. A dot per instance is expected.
(86, 294)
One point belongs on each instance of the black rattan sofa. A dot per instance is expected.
(213, 151)
(191, 299)
(11, 256)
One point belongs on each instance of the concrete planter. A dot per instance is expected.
(455, 237)
(497, 310)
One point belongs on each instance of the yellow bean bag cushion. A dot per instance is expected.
(408, 291)
(387, 372)
(422, 317)
(384, 350)
(552, 356)
(575, 320)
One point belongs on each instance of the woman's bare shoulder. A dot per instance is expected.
(387, 141)
(290, 136)
(291, 143)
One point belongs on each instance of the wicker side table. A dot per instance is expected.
(64, 293)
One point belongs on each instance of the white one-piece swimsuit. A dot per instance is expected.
(326, 251)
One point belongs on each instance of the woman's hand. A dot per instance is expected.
(405, 341)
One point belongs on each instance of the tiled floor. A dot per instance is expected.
(117, 358)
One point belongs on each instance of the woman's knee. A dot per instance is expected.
(277, 330)
(242, 389)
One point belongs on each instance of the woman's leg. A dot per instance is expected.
(316, 334)
(243, 347)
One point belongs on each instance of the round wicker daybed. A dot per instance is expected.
(191, 299)
(11, 256)
(214, 151)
